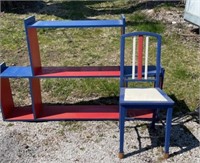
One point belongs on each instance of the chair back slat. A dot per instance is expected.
(140, 52)
(133, 57)
(146, 57)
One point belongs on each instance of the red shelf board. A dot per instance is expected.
(75, 112)
(106, 71)
(21, 114)
(87, 112)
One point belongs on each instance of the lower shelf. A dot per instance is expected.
(79, 112)
(21, 114)
(75, 112)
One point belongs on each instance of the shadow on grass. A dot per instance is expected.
(75, 10)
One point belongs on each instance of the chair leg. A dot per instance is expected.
(154, 119)
(121, 128)
(167, 132)
(126, 84)
(162, 78)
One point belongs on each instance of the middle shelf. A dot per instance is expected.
(68, 72)
(106, 71)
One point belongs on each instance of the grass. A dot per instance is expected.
(61, 89)
(92, 47)
(71, 126)
(182, 72)
(10, 124)
(141, 22)
(20, 92)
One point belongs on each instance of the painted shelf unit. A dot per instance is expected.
(38, 111)
(41, 112)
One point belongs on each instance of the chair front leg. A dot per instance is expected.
(121, 130)
(167, 132)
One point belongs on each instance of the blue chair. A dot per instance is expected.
(150, 97)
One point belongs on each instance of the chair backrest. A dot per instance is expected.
(140, 55)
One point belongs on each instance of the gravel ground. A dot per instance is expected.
(97, 141)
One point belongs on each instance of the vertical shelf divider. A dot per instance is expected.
(35, 60)
(35, 90)
(34, 50)
(33, 45)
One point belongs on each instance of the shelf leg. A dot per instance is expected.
(6, 99)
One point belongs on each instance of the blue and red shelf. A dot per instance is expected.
(41, 112)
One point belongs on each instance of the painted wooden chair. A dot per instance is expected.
(142, 97)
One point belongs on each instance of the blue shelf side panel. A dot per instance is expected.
(3, 67)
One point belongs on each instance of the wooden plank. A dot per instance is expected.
(77, 24)
(17, 72)
(7, 103)
(89, 112)
(133, 57)
(21, 114)
(106, 71)
(140, 51)
(36, 96)
(146, 58)
(34, 50)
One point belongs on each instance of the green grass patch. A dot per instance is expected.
(141, 22)
(97, 47)
(63, 89)
(10, 124)
(71, 126)
(182, 73)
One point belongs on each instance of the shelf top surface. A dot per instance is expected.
(16, 72)
(77, 24)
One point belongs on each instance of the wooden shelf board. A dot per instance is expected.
(106, 71)
(21, 114)
(75, 112)
(77, 24)
(88, 112)
(68, 72)
(17, 72)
